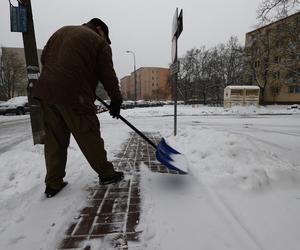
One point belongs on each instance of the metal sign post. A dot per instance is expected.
(177, 27)
(33, 71)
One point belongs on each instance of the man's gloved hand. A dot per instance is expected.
(114, 109)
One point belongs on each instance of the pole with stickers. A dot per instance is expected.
(22, 21)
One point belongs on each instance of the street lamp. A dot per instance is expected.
(134, 72)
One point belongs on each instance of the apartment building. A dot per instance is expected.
(127, 87)
(152, 83)
(273, 60)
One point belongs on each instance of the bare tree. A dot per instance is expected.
(223, 67)
(205, 72)
(12, 74)
(258, 61)
(271, 10)
(187, 74)
(234, 62)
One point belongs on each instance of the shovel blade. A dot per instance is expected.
(170, 157)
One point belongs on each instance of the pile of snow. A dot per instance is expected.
(222, 156)
(196, 110)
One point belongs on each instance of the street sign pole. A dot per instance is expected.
(177, 27)
(175, 100)
(33, 71)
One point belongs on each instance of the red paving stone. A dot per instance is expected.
(113, 211)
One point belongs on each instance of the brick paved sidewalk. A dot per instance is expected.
(113, 211)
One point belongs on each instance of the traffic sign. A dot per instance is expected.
(177, 27)
(174, 68)
(174, 50)
(177, 24)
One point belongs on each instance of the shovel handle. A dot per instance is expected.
(129, 124)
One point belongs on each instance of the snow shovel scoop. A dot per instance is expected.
(165, 154)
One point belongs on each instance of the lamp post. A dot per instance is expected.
(134, 72)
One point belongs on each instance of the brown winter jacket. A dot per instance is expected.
(74, 60)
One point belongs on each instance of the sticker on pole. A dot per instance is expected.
(174, 68)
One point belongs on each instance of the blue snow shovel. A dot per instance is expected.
(165, 154)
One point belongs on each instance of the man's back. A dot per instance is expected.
(71, 69)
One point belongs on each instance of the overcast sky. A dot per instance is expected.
(139, 25)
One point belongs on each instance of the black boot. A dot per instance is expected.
(114, 178)
(50, 192)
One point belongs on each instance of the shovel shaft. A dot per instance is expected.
(129, 125)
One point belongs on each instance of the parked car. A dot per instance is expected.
(142, 104)
(168, 102)
(17, 105)
(294, 106)
(128, 104)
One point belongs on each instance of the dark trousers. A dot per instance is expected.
(60, 121)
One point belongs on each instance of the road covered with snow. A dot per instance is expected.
(242, 190)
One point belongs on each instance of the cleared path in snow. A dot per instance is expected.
(13, 132)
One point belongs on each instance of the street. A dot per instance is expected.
(242, 191)
(13, 131)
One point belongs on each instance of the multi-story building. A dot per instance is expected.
(127, 87)
(152, 83)
(273, 60)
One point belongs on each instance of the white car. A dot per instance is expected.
(17, 105)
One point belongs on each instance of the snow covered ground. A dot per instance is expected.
(243, 190)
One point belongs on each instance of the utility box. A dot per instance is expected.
(241, 96)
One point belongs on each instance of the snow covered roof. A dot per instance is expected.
(242, 87)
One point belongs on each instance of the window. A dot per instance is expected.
(276, 75)
(277, 59)
(280, 27)
(294, 89)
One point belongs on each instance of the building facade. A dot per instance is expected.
(127, 88)
(273, 60)
(152, 83)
